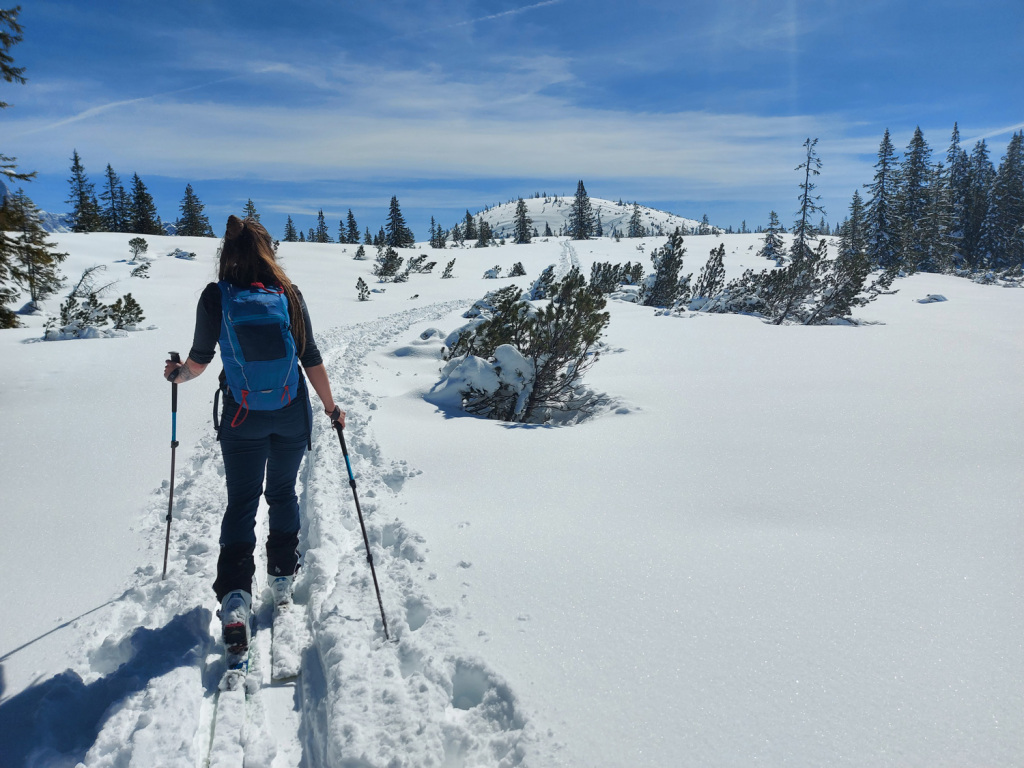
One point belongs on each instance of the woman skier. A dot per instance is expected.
(260, 321)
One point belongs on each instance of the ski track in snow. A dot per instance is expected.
(359, 701)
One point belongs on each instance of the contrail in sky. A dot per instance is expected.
(512, 12)
(98, 110)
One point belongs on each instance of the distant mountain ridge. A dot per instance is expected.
(52, 222)
(553, 211)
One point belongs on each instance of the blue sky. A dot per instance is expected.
(692, 107)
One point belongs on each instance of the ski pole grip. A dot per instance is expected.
(175, 358)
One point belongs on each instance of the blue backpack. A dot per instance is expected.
(257, 348)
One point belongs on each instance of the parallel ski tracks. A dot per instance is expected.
(292, 712)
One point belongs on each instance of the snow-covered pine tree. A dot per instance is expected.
(398, 235)
(773, 248)
(882, 213)
(555, 343)
(523, 223)
(448, 270)
(291, 235)
(662, 288)
(518, 270)
(193, 222)
(1006, 211)
(34, 260)
(957, 183)
(362, 290)
(804, 230)
(599, 227)
(249, 210)
(143, 216)
(547, 230)
(580, 224)
(85, 208)
(980, 178)
(360, 254)
(937, 225)
(913, 196)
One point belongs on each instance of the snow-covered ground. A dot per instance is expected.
(785, 546)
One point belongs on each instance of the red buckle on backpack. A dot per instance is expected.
(244, 404)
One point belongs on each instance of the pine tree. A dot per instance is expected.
(85, 209)
(663, 288)
(10, 35)
(143, 218)
(581, 215)
(397, 234)
(599, 227)
(484, 234)
(881, 213)
(804, 230)
(363, 290)
(34, 263)
(448, 270)
(1006, 213)
(193, 222)
(249, 211)
(351, 229)
(115, 210)
(636, 227)
(711, 279)
(291, 235)
(523, 224)
(773, 246)
(852, 235)
(388, 263)
(438, 236)
(980, 178)
(938, 226)
(914, 197)
(469, 231)
(138, 246)
(125, 312)
(322, 234)
(957, 183)
(302, 237)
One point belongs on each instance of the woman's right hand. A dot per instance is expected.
(337, 416)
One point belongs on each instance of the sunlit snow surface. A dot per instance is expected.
(782, 546)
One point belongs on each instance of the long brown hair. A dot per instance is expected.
(247, 257)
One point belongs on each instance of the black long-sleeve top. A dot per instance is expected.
(208, 322)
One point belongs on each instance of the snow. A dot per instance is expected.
(786, 545)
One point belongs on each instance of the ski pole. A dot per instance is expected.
(366, 541)
(175, 358)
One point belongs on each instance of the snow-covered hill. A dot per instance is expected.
(794, 546)
(554, 211)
